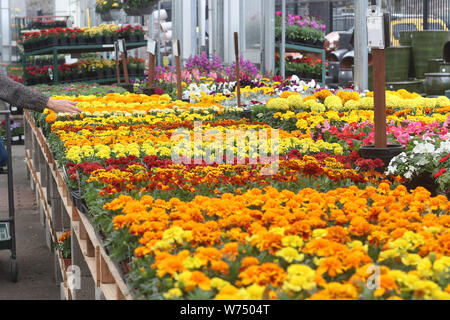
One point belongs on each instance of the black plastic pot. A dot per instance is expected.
(63, 41)
(385, 154)
(128, 87)
(149, 91)
(247, 114)
(79, 202)
(133, 38)
(424, 180)
(52, 42)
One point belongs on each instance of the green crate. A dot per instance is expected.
(4, 232)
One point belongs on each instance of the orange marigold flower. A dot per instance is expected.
(267, 273)
(359, 226)
(220, 266)
(201, 280)
(332, 266)
(249, 261)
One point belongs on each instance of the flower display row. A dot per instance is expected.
(103, 34)
(132, 7)
(187, 220)
(86, 70)
(46, 24)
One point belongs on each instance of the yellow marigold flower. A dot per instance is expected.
(425, 268)
(292, 241)
(290, 255)
(295, 101)
(173, 293)
(333, 103)
(253, 292)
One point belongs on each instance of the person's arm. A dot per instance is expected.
(23, 97)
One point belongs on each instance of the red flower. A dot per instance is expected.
(444, 159)
(440, 173)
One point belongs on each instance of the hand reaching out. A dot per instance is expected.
(63, 106)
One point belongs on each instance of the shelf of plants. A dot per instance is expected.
(303, 34)
(75, 41)
(145, 226)
(88, 71)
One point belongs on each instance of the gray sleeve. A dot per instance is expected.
(21, 96)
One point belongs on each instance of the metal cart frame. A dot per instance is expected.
(9, 244)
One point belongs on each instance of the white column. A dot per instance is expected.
(268, 43)
(6, 31)
(361, 49)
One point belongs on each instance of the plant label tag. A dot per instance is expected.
(122, 45)
(175, 50)
(151, 46)
(116, 49)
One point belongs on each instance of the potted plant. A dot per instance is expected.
(138, 7)
(17, 131)
(107, 35)
(108, 10)
(64, 248)
(139, 32)
(108, 66)
(132, 66)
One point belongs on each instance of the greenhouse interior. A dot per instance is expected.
(200, 150)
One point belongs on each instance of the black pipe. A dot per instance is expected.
(426, 6)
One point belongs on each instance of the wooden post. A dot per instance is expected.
(125, 67)
(151, 72)
(176, 50)
(238, 71)
(116, 48)
(379, 86)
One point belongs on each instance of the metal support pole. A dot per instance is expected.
(361, 49)
(330, 15)
(12, 225)
(426, 9)
(159, 34)
(55, 66)
(283, 39)
(379, 83)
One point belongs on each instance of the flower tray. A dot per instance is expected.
(79, 202)
(424, 180)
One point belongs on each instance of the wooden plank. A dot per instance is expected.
(97, 264)
(90, 250)
(83, 233)
(103, 270)
(105, 274)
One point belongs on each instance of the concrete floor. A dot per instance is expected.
(36, 262)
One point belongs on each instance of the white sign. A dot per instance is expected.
(151, 46)
(175, 48)
(121, 45)
(116, 49)
(375, 28)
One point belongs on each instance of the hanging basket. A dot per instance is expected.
(107, 16)
(112, 15)
(139, 11)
